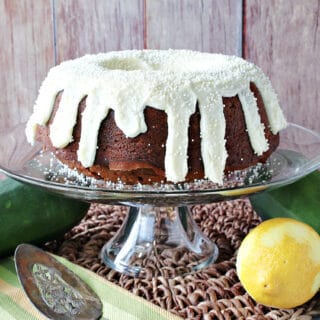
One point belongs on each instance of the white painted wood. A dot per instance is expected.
(92, 26)
(26, 55)
(283, 38)
(207, 25)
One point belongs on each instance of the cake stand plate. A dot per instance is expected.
(159, 236)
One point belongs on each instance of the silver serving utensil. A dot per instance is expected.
(52, 288)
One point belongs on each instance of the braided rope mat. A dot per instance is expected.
(214, 293)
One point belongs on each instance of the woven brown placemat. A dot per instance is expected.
(213, 293)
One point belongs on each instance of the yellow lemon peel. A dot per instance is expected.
(278, 263)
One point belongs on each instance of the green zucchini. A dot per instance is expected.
(299, 200)
(28, 214)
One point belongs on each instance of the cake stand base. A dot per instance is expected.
(159, 241)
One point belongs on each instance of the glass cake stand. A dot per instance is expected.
(159, 235)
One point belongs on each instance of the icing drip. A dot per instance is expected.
(96, 110)
(213, 127)
(254, 126)
(68, 109)
(172, 81)
(176, 161)
(269, 97)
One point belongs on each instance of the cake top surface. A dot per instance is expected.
(169, 80)
(173, 67)
(155, 63)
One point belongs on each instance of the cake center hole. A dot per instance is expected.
(126, 64)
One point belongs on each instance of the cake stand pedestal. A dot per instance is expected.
(159, 235)
(159, 241)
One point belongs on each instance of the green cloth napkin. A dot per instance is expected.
(118, 303)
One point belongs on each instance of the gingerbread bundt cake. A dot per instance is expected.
(145, 116)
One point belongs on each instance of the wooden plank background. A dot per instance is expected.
(26, 54)
(197, 25)
(281, 36)
(92, 26)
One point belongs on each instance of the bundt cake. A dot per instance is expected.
(144, 116)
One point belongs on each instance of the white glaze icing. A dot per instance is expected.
(252, 118)
(169, 80)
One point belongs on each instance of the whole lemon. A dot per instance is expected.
(278, 263)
